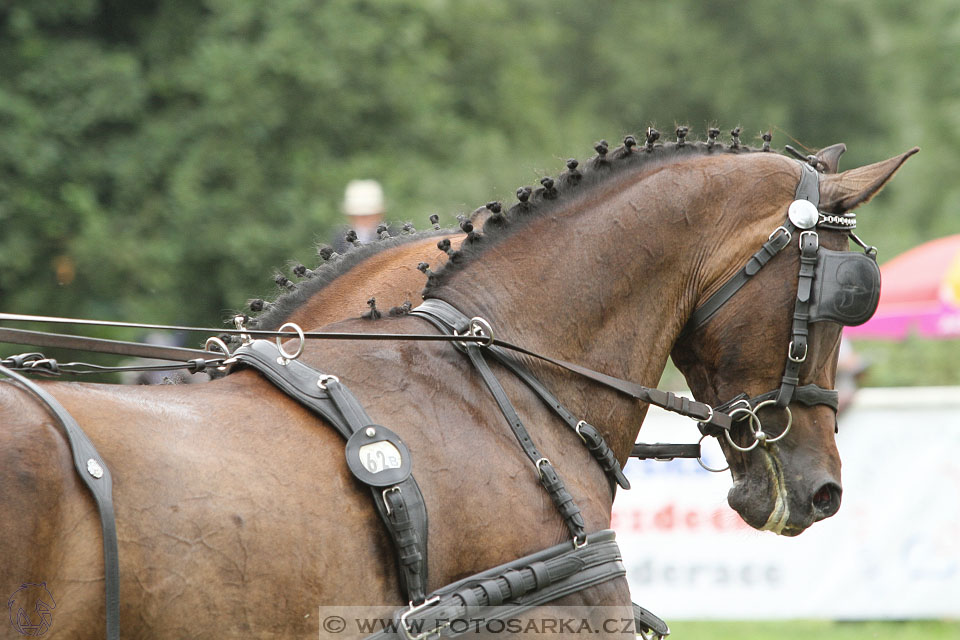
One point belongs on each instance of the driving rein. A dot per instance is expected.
(834, 286)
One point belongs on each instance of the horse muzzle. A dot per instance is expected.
(770, 498)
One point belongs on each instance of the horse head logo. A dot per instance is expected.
(31, 609)
(855, 288)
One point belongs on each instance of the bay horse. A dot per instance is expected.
(236, 513)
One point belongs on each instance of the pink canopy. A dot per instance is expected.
(920, 294)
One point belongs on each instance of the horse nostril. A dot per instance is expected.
(826, 501)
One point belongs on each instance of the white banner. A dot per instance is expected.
(891, 552)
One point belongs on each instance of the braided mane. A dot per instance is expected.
(531, 202)
(551, 194)
(273, 314)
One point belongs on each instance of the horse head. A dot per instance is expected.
(780, 484)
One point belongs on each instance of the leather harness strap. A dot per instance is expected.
(800, 332)
(548, 476)
(447, 318)
(96, 476)
(510, 589)
(401, 506)
(103, 345)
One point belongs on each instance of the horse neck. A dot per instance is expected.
(606, 281)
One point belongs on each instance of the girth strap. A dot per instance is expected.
(401, 506)
(511, 588)
(95, 474)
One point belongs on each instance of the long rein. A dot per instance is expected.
(217, 355)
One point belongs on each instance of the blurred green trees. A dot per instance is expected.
(160, 158)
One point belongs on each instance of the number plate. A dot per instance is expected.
(378, 457)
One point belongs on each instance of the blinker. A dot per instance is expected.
(803, 214)
(847, 288)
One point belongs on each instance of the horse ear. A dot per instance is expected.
(842, 192)
(830, 157)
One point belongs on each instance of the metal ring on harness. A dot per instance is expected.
(219, 344)
(284, 355)
(481, 328)
(700, 458)
(789, 419)
(753, 420)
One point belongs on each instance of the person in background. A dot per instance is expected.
(363, 205)
(850, 370)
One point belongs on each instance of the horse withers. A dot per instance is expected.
(236, 513)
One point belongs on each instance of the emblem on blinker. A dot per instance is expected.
(803, 214)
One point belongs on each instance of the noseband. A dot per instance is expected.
(836, 286)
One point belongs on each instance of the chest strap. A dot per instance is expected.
(96, 476)
(510, 589)
(399, 502)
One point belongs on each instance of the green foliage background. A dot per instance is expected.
(159, 159)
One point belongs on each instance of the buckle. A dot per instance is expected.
(815, 239)
(793, 358)
(577, 429)
(408, 632)
(786, 235)
(386, 503)
(540, 462)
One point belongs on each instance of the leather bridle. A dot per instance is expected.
(803, 220)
